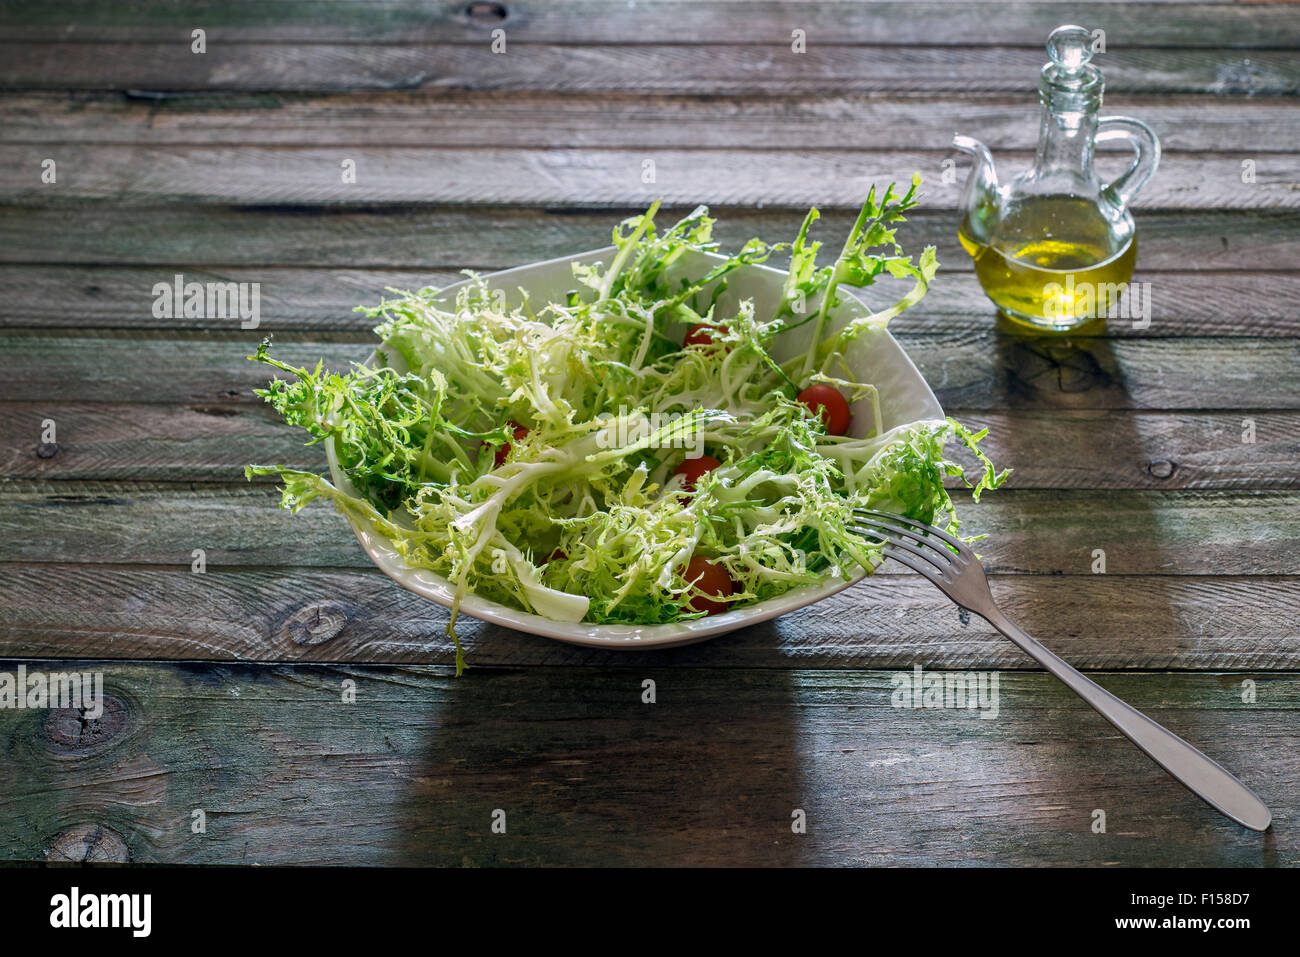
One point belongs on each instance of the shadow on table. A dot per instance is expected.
(625, 762)
(1083, 371)
(571, 764)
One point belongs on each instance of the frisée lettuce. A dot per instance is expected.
(530, 454)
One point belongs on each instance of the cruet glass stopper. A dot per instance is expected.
(1070, 50)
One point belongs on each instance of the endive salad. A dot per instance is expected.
(634, 453)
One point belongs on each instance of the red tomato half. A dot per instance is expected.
(503, 451)
(834, 408)
(692, 469)
(701, 335)
(712, 580)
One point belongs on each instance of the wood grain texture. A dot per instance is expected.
(226, 166)
(419, 237)
(122, 298)
(893, 620)
(711, 773)
(296, 299)
(126, 442)
(615, 120)
(1038, 532)
(259, 175)
(679, 22)
(977, 371)
(151, 68)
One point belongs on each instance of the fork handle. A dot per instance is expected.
(1204, 777)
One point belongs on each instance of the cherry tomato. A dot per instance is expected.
(692, 469)
(834, 408)
(555, 556)
(503, 451)
(701, 335)
(712, 580)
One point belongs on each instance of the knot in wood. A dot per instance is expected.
(89, 843)
(314, 624)
(72, 729)
(1161, 468)
(486, 12)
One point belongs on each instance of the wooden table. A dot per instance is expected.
(227, 686)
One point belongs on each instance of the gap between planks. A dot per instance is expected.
(968, 370)
(524, 119)
(442, 238)
(1030, 531)
(149, 70)
(186, 443)
(583, 22)
(357, 616)
(297, 299)
(590, 178)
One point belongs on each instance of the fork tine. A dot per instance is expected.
(912, 522)
(910, 535)
(929, 557)
(951, 539)
(921, 567)
(909, 540)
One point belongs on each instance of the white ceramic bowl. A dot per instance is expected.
(875, 357)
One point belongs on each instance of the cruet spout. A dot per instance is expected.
(980, 199)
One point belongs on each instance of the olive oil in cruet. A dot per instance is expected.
(1055, 248)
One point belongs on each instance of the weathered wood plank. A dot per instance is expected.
(997, 371)
(135, 368)
(1040, 532)
(977, 371)
(1145, 450)
(1110, 622)
(451, 238)
(135, 442)
(644, 68)
(123, 298)
(591, 178)
(685, 22)
(1213, 303)
(617, 120)
(1107, 449)
(708, 775)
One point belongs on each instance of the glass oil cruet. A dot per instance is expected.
(1054, 248)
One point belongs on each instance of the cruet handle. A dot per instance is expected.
(1146, 149)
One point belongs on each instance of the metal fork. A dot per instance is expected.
(950, 564)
